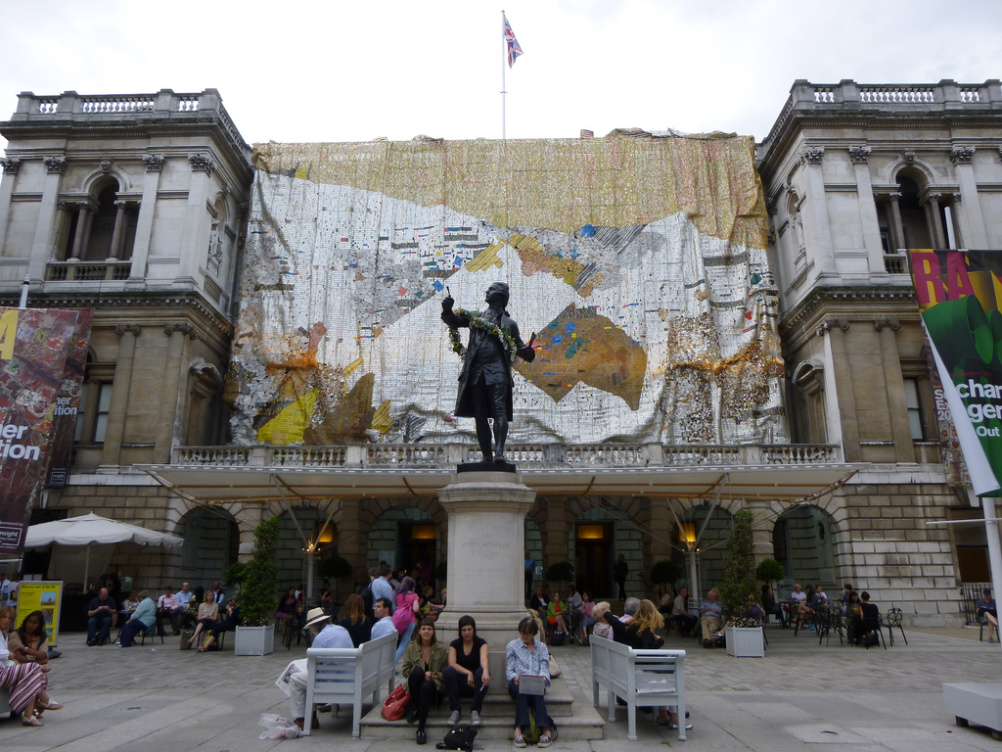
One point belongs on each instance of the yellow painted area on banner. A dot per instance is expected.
(291, 422)
(353, 366)
(561, 184)
(381, 420)
(486, 259)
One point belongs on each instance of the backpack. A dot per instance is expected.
(533, 733)
(404, 615)
(368, 601)
(459, 737)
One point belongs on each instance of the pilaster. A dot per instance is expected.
(894, 384)
(41, 246)
(972, 221)
(122, 386)
(170, 394)
(144, 225)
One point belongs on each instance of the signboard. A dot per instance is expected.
(45, 597)
(34, 346)
(958, 294)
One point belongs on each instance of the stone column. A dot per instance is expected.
(897, 228)
(10, 167)
(83, 209)
(118, 234)
(554, 531)
(930, 203)
(119, 407)
(144, 224)
(819, 244)
(972, 221)
(860, 156)
(953, 202)
(894, 384)
(170, 397)
(841, 402)
(486, 547)
(45, 226)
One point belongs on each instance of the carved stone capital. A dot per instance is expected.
(961, 154)
(893, 324)
(225, 190)
(812, 154)
(10, 165)
(106, 166)
(931, 198)
(180, 326)
(895, 197)
(860, 154)
(831, 324)
(121, 329)
(55, 165)
(201, 162)
(154, 162)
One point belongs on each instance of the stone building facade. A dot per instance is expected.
(135, 206)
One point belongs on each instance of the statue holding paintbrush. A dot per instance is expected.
(485, 383)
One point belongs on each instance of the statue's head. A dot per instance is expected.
(499, 293)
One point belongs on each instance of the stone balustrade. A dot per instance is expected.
(813, 100)
(557, 456)
(66, 271)
(165, 105)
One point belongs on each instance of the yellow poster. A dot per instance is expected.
(45, 597)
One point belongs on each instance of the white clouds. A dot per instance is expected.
(304, 71)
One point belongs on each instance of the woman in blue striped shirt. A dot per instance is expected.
(528, 656)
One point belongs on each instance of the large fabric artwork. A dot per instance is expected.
(638, 261)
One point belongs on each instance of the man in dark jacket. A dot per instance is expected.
(485, 383)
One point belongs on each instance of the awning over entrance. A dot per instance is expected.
(220, 484)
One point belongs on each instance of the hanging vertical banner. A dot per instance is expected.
(34, 346)
(958, 294)
(68, 402)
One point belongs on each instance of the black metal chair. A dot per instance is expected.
(891, 620)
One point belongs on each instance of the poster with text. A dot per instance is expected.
(958, 294)
(34, 346)
(45, 597)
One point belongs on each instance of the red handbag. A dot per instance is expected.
(395, 705)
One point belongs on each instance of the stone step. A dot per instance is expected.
(576, 721)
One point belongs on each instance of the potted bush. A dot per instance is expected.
(258, 597)
(561, 572)
(664, 572)
(744, 635)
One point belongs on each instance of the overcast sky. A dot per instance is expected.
(353, 71)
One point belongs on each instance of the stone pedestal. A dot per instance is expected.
(486, 558)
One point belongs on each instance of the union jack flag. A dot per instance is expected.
(514, 49)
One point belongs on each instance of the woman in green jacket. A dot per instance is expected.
(424, 661)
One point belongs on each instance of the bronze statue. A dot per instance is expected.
(485, 383)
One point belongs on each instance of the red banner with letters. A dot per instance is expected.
(35, 344)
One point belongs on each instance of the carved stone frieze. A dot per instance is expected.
(10, 165)
(812, 154)
(55, 165)
(860, 154)
(961, 154)
(154, 162)
(832, 323)
(201, 162)
(180, 326)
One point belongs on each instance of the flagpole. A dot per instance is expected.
(504, 51)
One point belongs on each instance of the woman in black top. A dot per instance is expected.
(359, 625)
(467, 672)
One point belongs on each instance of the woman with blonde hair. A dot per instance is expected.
(359, 625)
(641, 631)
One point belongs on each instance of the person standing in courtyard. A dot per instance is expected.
(620, 570)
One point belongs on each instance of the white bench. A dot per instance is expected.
(642, 678)
(347, 675)
(980, 704)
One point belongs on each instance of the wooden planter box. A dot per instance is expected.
(254, 640)
(745, 642)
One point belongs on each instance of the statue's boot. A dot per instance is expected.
(484, 439)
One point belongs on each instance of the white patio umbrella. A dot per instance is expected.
(92, 529)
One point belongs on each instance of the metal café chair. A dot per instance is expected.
(891, 620)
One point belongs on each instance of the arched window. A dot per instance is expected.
(101, 227)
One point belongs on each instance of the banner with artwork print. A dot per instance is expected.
(34, 346)
(958, 294)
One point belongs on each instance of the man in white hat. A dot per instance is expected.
(293, 679)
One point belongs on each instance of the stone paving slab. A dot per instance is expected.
(874, 700)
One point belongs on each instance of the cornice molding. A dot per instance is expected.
(841, 297)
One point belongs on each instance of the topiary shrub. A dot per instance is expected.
(739, 567)
(259, 598)
(665, 572)
(770, 570)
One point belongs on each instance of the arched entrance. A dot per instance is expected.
(803, 541)
(597, 538)
(211, 544)
(405, 537)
